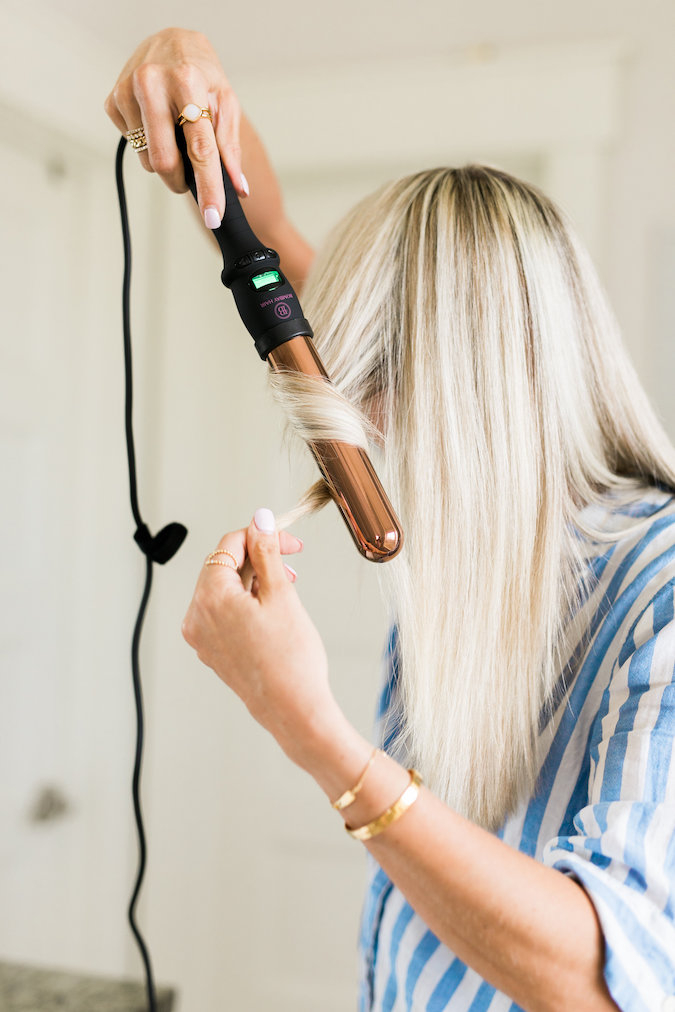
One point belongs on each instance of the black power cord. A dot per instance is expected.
(158, 548)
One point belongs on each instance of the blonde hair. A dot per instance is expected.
(456, 308)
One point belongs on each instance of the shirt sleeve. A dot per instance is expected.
(622, 847)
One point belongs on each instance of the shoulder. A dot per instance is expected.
(620, 644)
(632, 654)
(634, 586)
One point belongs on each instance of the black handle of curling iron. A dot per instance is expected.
(266, 300)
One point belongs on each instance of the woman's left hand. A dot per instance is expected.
(250, 627)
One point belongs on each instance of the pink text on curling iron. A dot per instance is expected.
(279, 298)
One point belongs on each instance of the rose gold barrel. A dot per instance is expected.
(347, 469)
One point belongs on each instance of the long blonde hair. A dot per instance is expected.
(457, 310)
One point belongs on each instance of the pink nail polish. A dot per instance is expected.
(291, 570)
(264, 521)
(244, 185)
(211, 217)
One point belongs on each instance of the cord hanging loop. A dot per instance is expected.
(162, 546)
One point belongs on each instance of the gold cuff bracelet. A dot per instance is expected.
(408, 798)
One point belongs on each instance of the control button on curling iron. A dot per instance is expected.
(243, 261)
(260, 254)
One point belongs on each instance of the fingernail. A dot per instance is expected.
(244, 184)
(211, 217)
(291, 570)
(264, 521)
(299, 540)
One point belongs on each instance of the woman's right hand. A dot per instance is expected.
(168, 70)
(177, 66)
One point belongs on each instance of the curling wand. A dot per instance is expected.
(271, 312)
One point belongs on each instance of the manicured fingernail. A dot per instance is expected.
(211, 217)
(244, 184)
(264, 521)
(299, 540)
(291, 570)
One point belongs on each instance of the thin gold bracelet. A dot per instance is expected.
(349, 796)
(408, 798)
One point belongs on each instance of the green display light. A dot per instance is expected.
(268, 278)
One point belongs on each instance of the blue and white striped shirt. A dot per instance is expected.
(604, 809)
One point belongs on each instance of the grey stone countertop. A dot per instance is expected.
(25, 988)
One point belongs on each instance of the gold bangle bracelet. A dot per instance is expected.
(408, 798)
(349, 796)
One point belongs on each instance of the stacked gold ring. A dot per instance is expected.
(137, 139)
(211, 559)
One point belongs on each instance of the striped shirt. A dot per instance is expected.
(604, 808)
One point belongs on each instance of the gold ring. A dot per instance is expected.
(190, 113)
(211, 559)
(137, 139)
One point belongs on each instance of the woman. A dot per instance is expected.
(531, 666)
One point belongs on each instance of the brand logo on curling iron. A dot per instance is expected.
(281, 309)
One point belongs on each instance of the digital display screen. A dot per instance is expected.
(268, 278)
